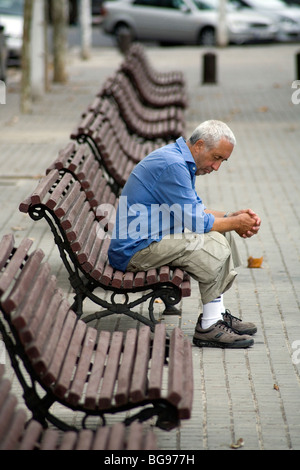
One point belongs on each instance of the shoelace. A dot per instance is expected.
(222, 324)
(230, 317)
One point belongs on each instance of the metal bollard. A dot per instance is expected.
(298, 66)
(209, 68)
(124, 41)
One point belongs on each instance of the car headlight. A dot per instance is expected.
(238, 26)
(285, 21)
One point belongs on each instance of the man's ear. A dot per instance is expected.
(199, 144)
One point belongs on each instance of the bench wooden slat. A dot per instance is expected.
(16, 426)
(185, 288)
(31, 435)
(49, 440)
(107, 275)
(6, 246)
(175, 386)
(6, 414)
(14, 264)
(77, 158)
(42, 362)
(185, 405)
(139, 376)
(63, 157)
(85, 440)
(55, 196)
(97, 369)
(21, 287)
(48, 331)
(86, 251)
(126, 367)
(63, 205)
(116, 437)
(82, 236)
(43, 187)
(139, 279)
(52, 373)
(78, 224)
(135, 437)
(151, 276)
(101, 438)
(157, 361)
(164, 274)
(63, 382)
(22, 316)
(82, 369)
(99, 265)
(71, 214)
(92, 248)
(68, 441)
(5, 387)
(29, 332)
(111, 370)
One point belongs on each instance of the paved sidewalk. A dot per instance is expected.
(250, 394)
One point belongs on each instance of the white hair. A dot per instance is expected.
(211, 132)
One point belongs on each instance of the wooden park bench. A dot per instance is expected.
(152, 94)
(90, 372)
(19, 433)
(145, 121)
(82, 235)
(157, 77)
(116, 149)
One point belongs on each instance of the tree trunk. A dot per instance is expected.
(60, 44)
(222, 32)
(86, 28)
(26, 99)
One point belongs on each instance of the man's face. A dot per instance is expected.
(208, 160)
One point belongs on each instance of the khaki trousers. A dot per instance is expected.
(210, 258)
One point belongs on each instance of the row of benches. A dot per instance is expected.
(87, 371)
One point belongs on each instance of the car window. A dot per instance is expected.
(160, 3)
(205, 5)
(12, 7)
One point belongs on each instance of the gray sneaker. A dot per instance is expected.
(220, 335)
(237, 325)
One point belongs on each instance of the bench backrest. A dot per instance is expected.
(137, 51)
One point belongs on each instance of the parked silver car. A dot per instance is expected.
(11, 17)
(287, 16)
(183, 21)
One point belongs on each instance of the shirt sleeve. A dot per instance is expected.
(174, 188)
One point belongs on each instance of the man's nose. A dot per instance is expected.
(216, 165)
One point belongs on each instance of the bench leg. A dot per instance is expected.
(170, 309)
(167, 416)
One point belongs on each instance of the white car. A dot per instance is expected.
(183, 21)
(286, 16)
(11, 17)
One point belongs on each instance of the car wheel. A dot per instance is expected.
(207, 37)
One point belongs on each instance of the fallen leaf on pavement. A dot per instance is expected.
(255, 262)
(239, 443)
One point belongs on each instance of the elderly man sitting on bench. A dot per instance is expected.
(161, 220)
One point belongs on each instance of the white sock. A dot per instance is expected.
(222, 304)
(211, 313)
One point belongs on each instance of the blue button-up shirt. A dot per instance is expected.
(158, 199)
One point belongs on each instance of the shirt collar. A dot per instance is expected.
(186, 153)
